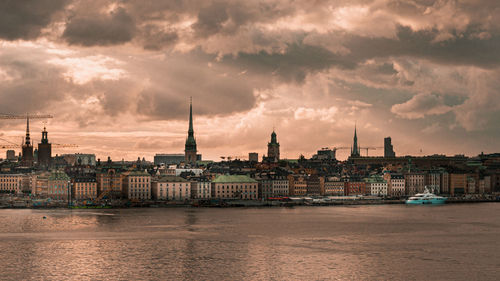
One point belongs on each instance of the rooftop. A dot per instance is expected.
(234, 179)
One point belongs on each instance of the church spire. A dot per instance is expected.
(27, 139)
(190, 147)
(355, 148)
(191, 130)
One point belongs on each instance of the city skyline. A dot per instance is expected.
(429, 78)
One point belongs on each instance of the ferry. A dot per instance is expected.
(426, 198)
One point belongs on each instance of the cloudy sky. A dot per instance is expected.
(117, 75)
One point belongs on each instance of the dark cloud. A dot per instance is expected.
(25, 19)
(114, 28)
(155, 38)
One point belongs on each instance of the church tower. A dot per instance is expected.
(273, 149)
(27, 149)
(190, 147)
(44, 150)
(355, 150)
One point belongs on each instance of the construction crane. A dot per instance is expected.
(231, 157)
(30, 116)
(371, 148)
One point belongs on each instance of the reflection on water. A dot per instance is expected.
(362, 242)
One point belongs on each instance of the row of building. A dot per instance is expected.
(119, 182)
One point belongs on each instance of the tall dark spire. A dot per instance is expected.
(355, 148)
(190, 147)
(27, 139)
(191, 130)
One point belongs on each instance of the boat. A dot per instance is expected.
(426, 198)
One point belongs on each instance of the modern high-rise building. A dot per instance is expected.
(44, 150)
(273, 149)
(27, 149)
(388, 149)
(355, 150)
(190, 147)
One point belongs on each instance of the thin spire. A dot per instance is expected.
(27, 140)
(191, 130)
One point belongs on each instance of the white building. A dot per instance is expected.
(137, 186)
(377, 186)
(171, 188)
(396, 184)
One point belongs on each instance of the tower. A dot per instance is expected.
(190, 147)
(27, 149)
(273, 149)
(388, 149)
(44, 150)
(355, 147)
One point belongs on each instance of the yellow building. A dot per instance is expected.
(84, 188)
(10, 183)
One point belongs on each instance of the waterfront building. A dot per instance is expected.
(315, 185)
(355, 150)
(84, 188)
(27, 158)
(415, 183)
(41, 185)
(458, 183)
(376, 185)
(471, 184)
(58, 185)
(200, 188)
(272, 185)
(137, 185)
(11, 183)
(44, 150)
(190, 147)
(433, 181)
(485, 185)
(273, 149)
(388, 149)
(234, 187)
(355, 186)
(109, 181)
(171, 188)
(297, 185)
(395, 184)
(334, 186)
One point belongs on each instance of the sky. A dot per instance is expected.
(117, 75)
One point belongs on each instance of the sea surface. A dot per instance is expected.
(385, 242)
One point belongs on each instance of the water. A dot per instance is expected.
(391, 242)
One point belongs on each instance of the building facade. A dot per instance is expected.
(334, 186)
(137, 185)
(201, 188)
(84, 188)
(11, 183)
(171, 188)
(58, 186)
(235, 187)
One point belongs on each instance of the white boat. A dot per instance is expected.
(426, 198)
